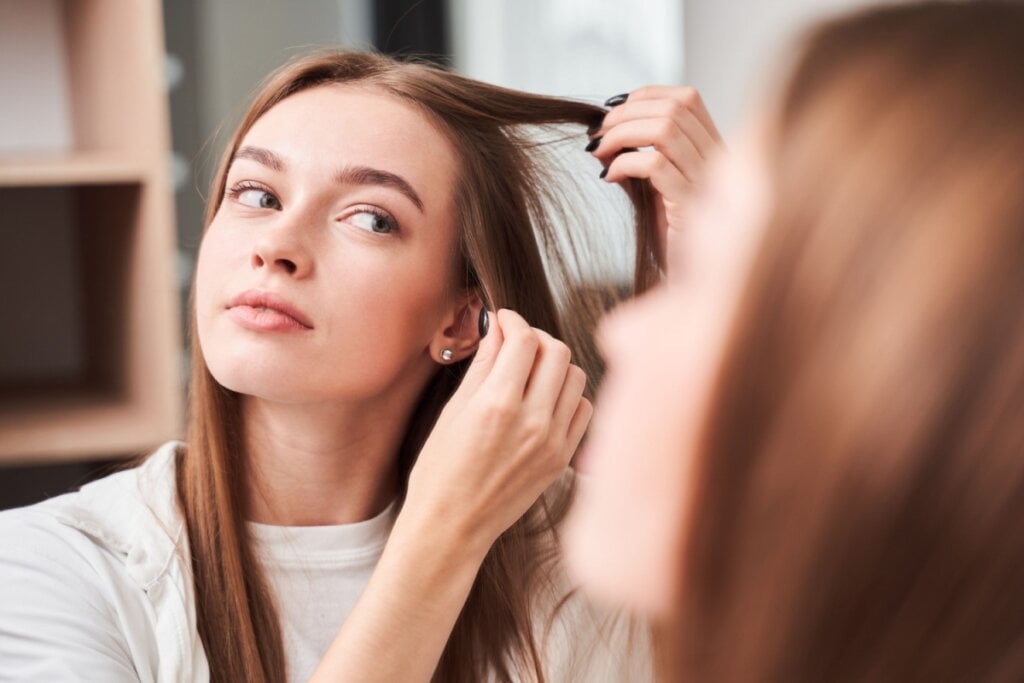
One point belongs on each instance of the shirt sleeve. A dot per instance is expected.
(56, 623)
(583, 644)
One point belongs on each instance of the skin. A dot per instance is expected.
(662, 351)
(325, 402)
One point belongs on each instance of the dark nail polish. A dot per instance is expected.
(596, 123)
(616, 100)
(484, 323)
(592, 145)
(604, 172)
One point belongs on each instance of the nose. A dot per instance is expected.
(280, 249)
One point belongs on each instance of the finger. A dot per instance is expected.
(650, 165)
(568, 399)
(685, 119)
(486, 355)
(578, 427)
(685, 95)
(512, 367)
(548, 375)
(662, 134)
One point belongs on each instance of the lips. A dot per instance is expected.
(266, 311)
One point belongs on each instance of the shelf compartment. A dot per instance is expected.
(83, 368)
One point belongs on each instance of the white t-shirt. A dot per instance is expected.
(96, 586)
(317, 574)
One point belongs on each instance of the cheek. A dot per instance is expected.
(384, 304)
(213, 265)
(217, 257)
(624, 536)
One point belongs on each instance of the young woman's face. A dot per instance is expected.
(327, 270)
(662, 350)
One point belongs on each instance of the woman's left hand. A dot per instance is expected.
(675, 127)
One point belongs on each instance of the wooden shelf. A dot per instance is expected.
(69, 169)
(79, 426)
(91, 349)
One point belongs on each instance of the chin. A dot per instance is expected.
(596, 562)
(260, 377)
(271, 388)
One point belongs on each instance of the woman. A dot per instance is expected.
(826, 411)
(365, 216)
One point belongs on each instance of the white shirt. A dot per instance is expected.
(317, 574)
(95, 586)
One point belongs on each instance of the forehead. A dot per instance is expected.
(330, 125)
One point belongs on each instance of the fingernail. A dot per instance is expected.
(592, 145)
(596, 123)
(616, 100)
(604, 172)
(484, 323)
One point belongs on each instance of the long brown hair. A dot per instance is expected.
(858, 494)
(512, 248)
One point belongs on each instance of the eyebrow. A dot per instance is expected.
(349, 175)
(364, 175)
(260, 156)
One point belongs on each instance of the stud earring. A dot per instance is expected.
(446, 355)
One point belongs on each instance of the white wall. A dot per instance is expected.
(591, 49)
(242, 41)
(734, 47)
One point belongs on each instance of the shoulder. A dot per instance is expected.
(76, 573)
(38, 551)
(59, 591)
(120, 514)
(583, 641)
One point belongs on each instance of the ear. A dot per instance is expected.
(459, 330)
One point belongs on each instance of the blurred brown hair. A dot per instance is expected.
(858, 500)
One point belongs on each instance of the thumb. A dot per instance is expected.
(486, 353)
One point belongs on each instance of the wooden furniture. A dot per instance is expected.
(90, 349)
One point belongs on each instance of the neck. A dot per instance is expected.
(311, 465)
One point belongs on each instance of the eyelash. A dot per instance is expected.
(379, 213)
(236, 191)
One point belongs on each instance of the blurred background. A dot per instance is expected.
(112, 113)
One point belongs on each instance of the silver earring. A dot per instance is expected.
(446, 355)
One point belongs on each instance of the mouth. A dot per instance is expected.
(267, 312)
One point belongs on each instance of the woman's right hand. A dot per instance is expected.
(507, 433)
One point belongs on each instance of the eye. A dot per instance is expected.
(255, 197)
(373, 221)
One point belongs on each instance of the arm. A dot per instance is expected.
(505, 436)
(401, 623)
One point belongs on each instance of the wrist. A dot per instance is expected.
(442, 534)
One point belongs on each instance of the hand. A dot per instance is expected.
(674, 121)
(507, 433)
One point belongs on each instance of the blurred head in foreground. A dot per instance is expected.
(808, 456)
